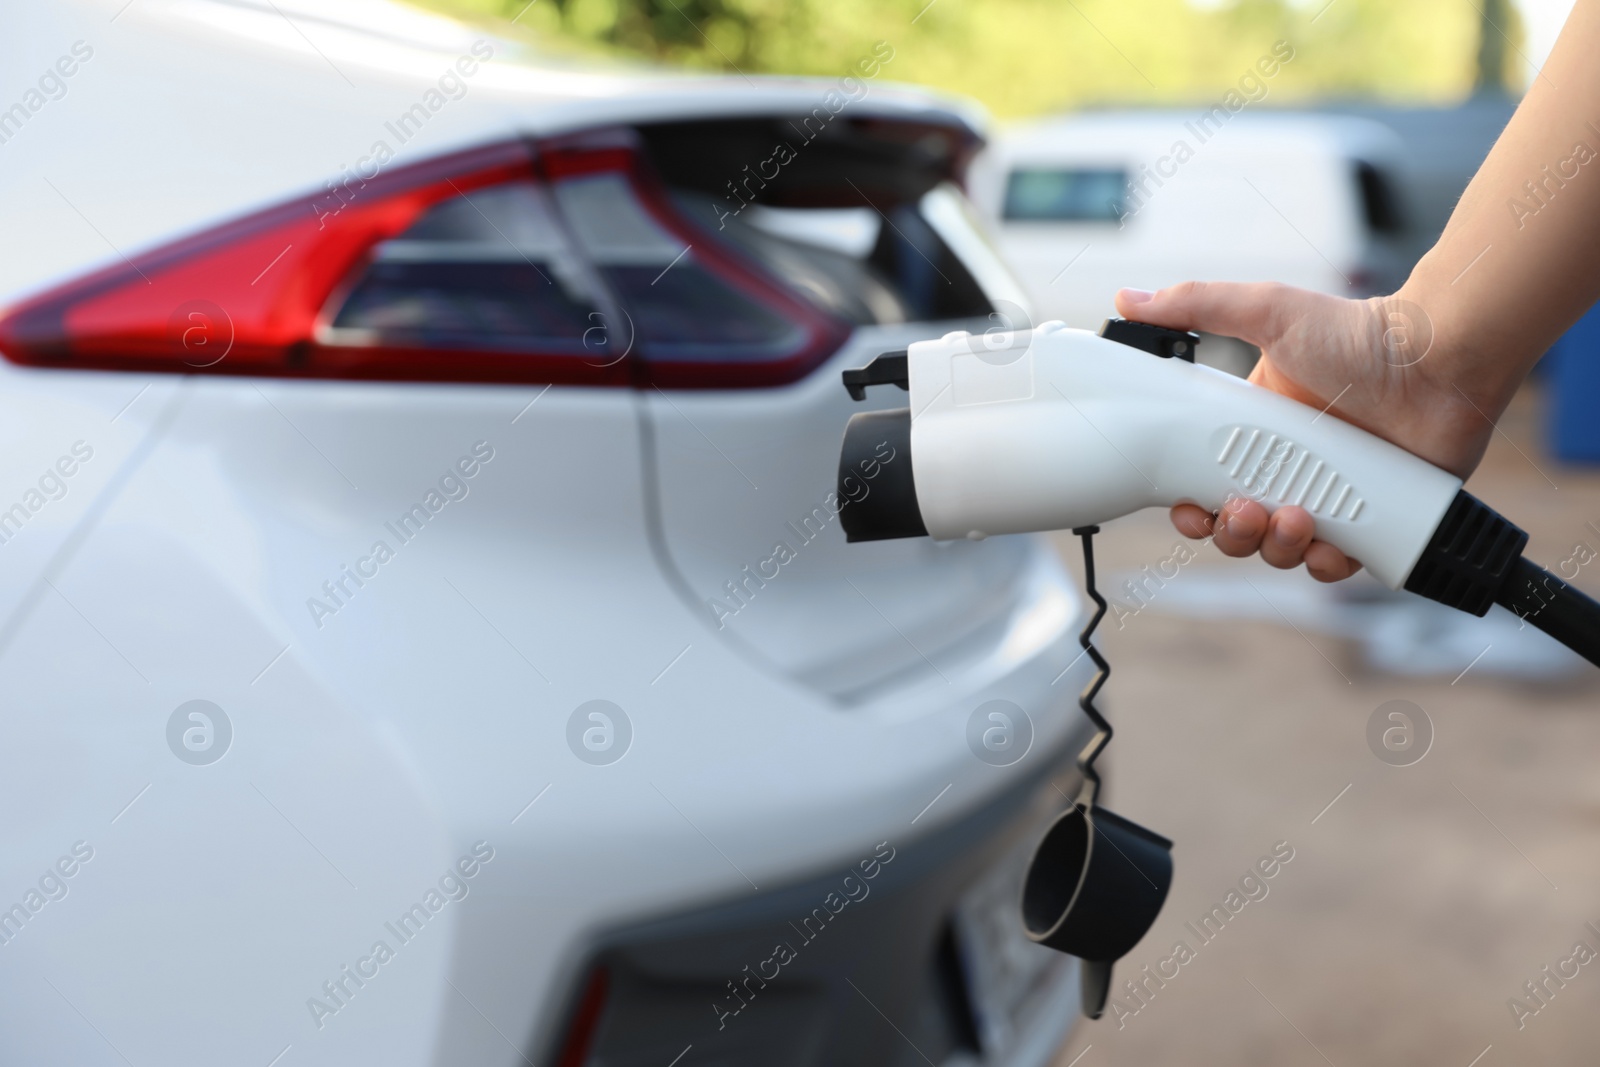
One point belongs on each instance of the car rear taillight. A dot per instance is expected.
(509, 263)
(585, 1021)
(246, 297)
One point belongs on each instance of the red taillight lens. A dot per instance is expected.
(585, 1022)
(246, 297)
(486, 266)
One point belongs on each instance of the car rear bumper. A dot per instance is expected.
(908, 954)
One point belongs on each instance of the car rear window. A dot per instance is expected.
(838, 220)
(821, 253)
(862, 266)
(1055, 194)
(680, 308)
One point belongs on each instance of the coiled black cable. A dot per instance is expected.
(1103, 730)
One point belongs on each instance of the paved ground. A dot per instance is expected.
(1422, 899)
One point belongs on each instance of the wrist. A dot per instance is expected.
(1452, 356)
(1443, 394)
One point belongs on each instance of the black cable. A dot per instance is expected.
(1474, 560)
(1102, 736)
(1538, 597)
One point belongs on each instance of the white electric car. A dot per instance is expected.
(426, 632)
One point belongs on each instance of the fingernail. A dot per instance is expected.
(1136, 296)
(1283, 537)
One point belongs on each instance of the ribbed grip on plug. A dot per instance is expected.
(1469, 557)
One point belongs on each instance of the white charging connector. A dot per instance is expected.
(1056, 428)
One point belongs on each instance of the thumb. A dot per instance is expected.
(1255, 312)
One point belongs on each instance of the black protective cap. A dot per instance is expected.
(876, 485)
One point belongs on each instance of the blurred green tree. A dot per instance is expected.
(1025, 57)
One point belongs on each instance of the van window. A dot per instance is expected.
(1377, 199)
(1062, 195)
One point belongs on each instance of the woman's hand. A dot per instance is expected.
(1373, 363)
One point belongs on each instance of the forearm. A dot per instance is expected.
(1519, 261)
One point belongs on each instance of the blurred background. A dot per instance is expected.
(1438, 871)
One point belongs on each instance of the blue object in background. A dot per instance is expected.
(1574, 377)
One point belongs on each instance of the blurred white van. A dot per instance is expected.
(1085, 204)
